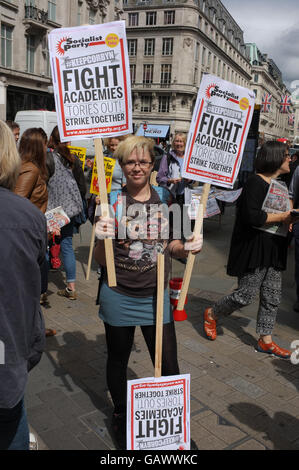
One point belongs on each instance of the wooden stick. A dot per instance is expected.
(159, 315)
(191, 257)
(105, 211)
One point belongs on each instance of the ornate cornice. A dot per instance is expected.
(100, 5)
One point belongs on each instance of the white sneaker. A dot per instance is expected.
(33, 444)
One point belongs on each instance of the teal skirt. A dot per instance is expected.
(122, 310)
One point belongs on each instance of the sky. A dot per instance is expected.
(273, 25)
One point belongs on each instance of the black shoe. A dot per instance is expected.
(119, 429)
(296, 306)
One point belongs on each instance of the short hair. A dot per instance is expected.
(270, 157)
(107, 141)
(179, 134)
(127, 146)
(12, 125)
(10, 161)
(32, 149)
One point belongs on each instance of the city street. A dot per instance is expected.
(240, 399)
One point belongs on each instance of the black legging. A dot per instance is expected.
(119, 343)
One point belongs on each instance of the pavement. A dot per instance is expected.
(240, 399)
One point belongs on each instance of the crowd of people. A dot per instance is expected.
(39, 174)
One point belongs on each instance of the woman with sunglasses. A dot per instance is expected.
(257, 257)
(139, 237)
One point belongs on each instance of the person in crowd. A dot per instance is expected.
(287, 178)
(68, 170)
(294, 198)
(256, 256)
(23, 241)
(31, 184)
(170, 170)
(118, 179)
(132, 302)
(15, 128)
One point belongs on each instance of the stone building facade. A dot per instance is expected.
(171, 44)
(25, 79)
(267, 78)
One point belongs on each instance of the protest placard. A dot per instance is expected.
(109, 164)
(90, 71)
(80, 152)
(158, 413)
(218, 132)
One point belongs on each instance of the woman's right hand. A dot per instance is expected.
(287, 218)
(105, 228)
(174, 180)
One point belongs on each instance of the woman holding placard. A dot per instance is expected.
(141, 231)
(257, 256)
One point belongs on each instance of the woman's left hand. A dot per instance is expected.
(194, 244)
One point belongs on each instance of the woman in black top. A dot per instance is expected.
(257, 257)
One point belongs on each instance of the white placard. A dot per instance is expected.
(218, 132)
(158, 413)
(91, 79)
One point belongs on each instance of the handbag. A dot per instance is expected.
(63, 189)
(54, 252)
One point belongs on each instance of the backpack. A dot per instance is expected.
(63, 189)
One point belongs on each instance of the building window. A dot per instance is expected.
(52, 10)
(133, 73)
(30, 53)
(195, 77)
(256, 78)
(199, 22)
(203, 56)
(148, 73)
(151, 18)
(164, 104)
(146, 103)
(133, 19)
(165, 74)
(6, 45)
(149, 47)
(92, 16)
(197, 49)
(169, 17)
(132, 47)
(79, 13)
(30, 3)
(167, 46)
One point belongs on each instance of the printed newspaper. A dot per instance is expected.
(276, 201)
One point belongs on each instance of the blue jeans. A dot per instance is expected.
(14, 431)
(67, 252)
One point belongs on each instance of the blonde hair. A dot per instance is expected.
(10, 160)
(179, 134)
(127, 146)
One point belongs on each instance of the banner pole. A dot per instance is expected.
(159, 314)
(191, 257)
(105, 211)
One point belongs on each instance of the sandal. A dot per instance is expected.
(50, 332)
(272, 348)
(209, 325)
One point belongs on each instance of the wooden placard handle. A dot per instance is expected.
(105, 211)
(159, 314)
(191, 257)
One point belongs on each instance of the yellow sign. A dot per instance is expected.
(112, 40)
(80, 152)
(109, 164)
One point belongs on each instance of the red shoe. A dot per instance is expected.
(50, 332)
(209, 325)
(273, 348)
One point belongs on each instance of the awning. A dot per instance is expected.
(153, 130)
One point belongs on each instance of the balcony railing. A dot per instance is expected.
(33, 13)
